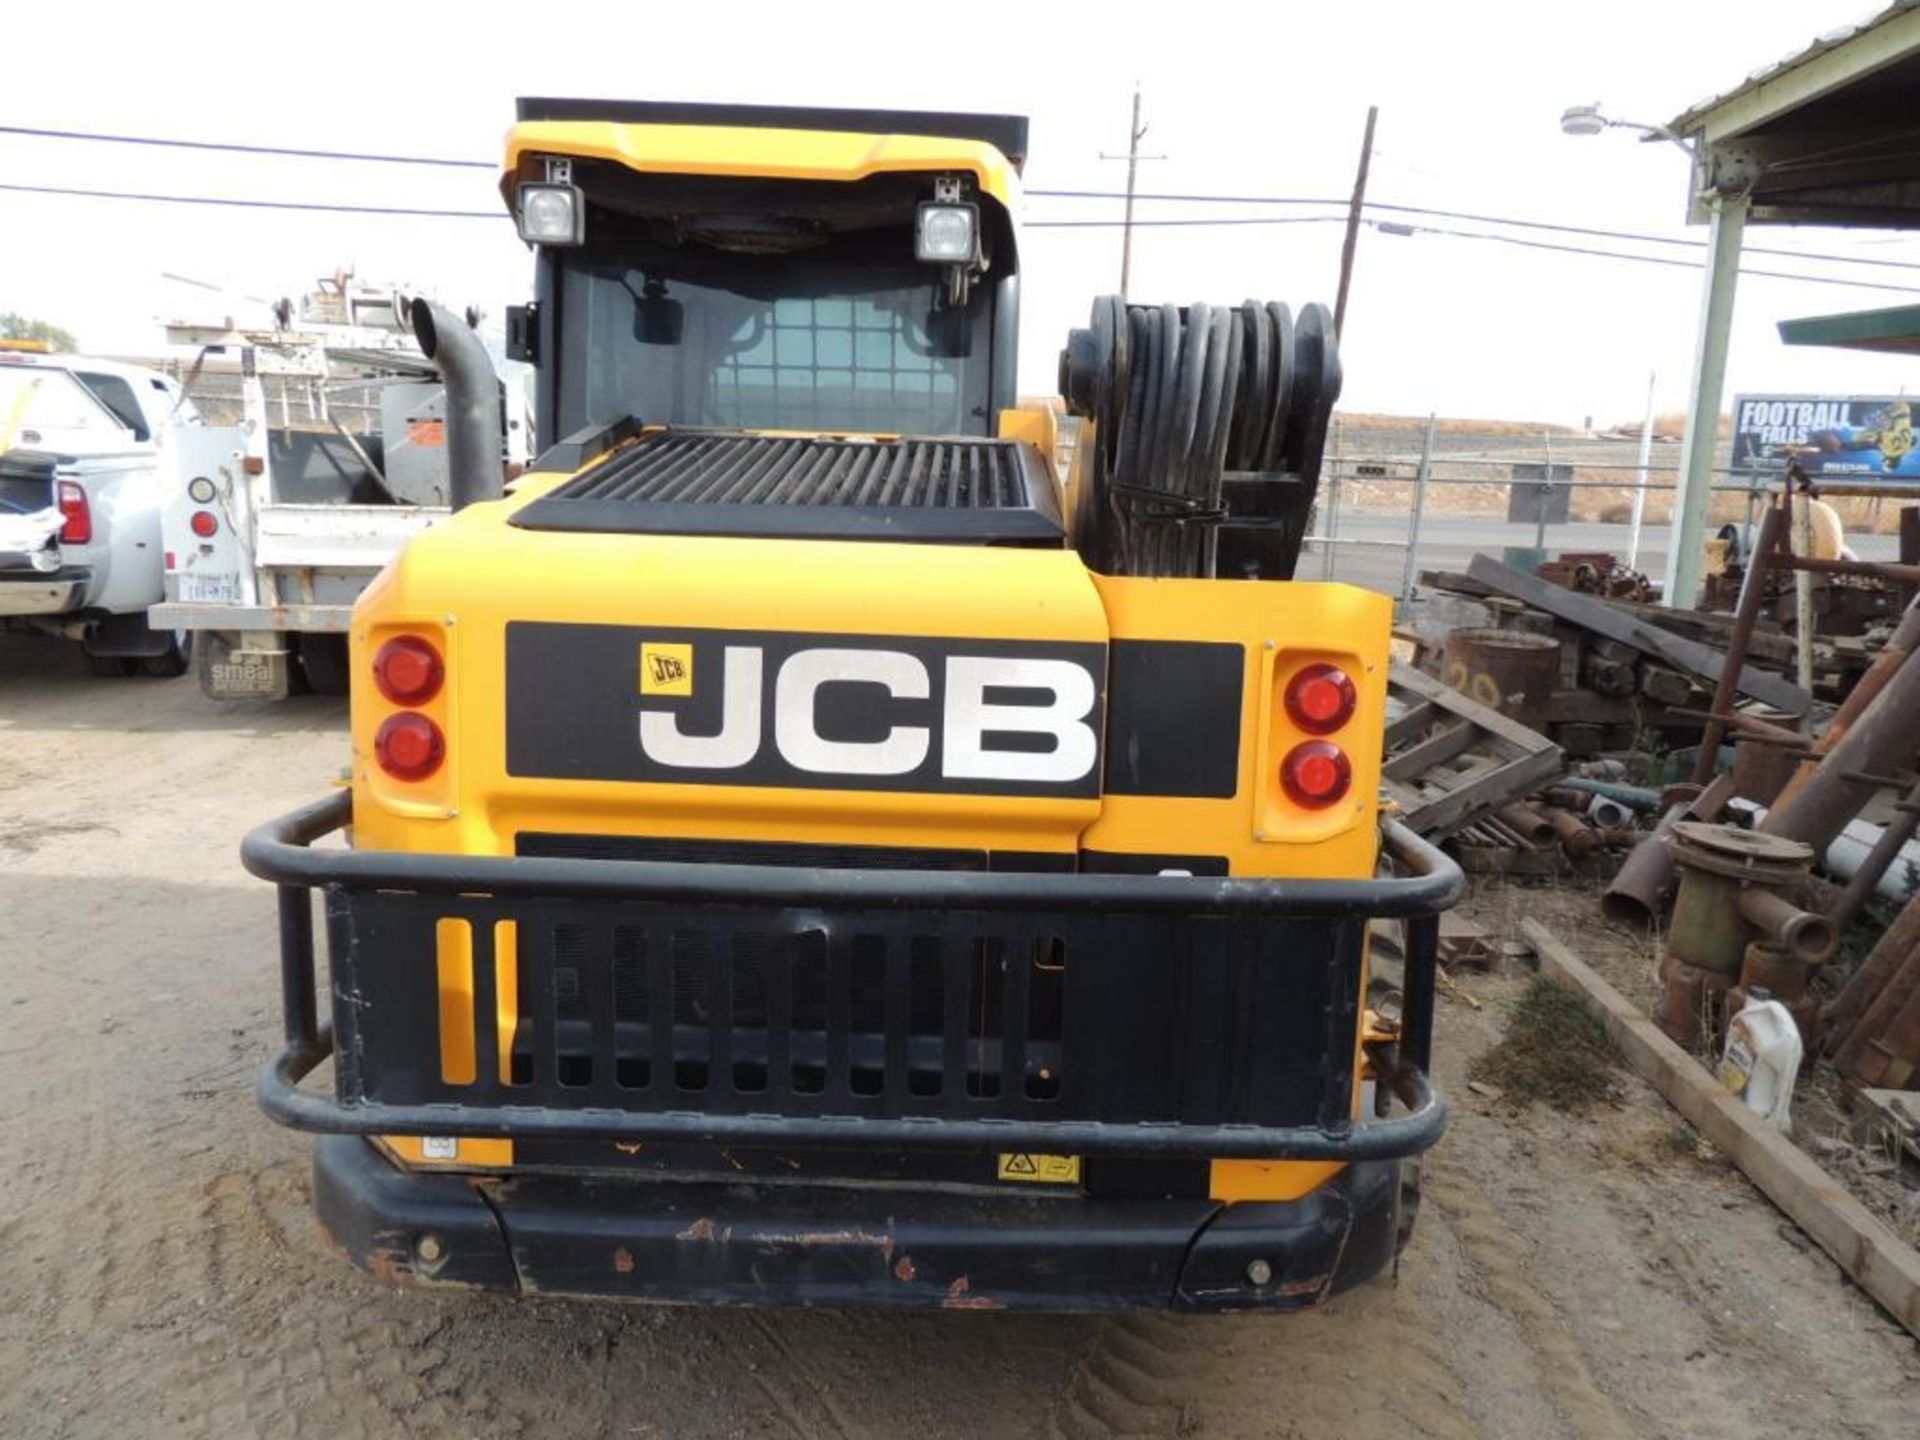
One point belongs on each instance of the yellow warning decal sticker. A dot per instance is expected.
(666, 669)
(1041, 1169)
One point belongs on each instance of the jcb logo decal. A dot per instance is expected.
(813, 711)
(666, 669)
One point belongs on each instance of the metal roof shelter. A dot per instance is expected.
(1895, 331)
(1827, 136)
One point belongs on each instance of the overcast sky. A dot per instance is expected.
(1241, 98)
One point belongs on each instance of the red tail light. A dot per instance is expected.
(1316, 774)
(408, 670)
(76, 512)
(409, 746)
(1320, 699)
(205, 524)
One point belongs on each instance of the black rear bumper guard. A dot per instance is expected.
(281, 852)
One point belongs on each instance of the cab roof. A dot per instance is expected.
(771, 141)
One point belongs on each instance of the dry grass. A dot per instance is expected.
(1554, 1052)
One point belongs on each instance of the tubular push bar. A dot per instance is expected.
(281, 852)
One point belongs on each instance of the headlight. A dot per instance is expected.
(947, 234)
(551, 215)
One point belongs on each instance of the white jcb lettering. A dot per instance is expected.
(739, 737)
(970, 718)
(795, 720)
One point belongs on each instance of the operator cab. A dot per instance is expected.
(883, 305)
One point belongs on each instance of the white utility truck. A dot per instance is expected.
(90, 452)
(267, 551)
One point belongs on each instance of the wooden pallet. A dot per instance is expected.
(1451, 760)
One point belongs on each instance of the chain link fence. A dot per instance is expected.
(1400, 497)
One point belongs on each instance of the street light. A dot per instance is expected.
(1726, 213)
(1591, 120)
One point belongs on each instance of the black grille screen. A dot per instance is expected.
(731, 483)
(695, 469)
(728, 1009)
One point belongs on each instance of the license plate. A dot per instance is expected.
(209, 589)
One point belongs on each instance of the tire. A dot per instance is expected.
(109, 667)
(323, 660)
(175, 662)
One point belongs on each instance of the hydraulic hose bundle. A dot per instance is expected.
(1209, 424)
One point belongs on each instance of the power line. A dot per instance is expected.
(1515, 240)
(1208, 221)
(255, 204)
(1589, 231)
(1599, 234)
(173, 199)
(1213, 221)
(235, 149)
(1171, 197)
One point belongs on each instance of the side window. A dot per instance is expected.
(118, 396)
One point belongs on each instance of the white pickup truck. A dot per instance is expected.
(90, 451)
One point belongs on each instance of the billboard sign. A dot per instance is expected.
(1863, 436)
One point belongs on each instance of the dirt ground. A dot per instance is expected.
(1569, 1278)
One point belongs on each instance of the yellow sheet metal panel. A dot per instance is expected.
(1232, 1180)
(453, 939)
(469, 577)
(828, 155)
(1281, 627)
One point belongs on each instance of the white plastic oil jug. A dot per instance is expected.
(1762, 1058)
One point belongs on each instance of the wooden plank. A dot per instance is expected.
(1710, 627)
(1436, 749)
(1463, 803)
(1880, 1262)
(1481, 760)
(1412, 722)
(1505, 727)
(1603, 619)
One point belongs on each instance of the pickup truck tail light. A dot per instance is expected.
(76, 512)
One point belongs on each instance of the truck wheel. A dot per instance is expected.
(323, 659)
(174, 661)
(109, 667)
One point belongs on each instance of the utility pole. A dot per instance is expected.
(1643, 467)
(1353, 224)
(1136, 132)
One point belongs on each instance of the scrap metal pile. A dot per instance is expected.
(1729, 806)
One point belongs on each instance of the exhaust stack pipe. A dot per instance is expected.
(474, 467)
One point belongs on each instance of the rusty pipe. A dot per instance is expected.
(1859, 1057)
(1753, 595)
(1806, 935)
(1867, 569)
(1863, 987)
(1891, 659)
(1530, 824)
(1884, 739)
(1573, 833)
(1640, 890)
(1893, 839)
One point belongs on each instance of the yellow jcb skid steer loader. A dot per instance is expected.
(814, 842)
